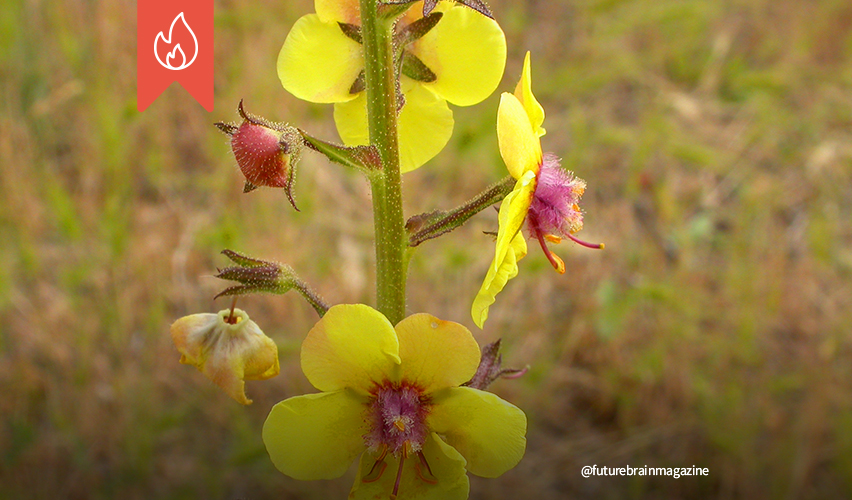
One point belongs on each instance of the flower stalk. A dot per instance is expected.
(423, 227)
(377, 38)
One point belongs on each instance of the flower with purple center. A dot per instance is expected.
(393, 396)
(546, 196)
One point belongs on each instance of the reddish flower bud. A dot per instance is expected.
(266, 152)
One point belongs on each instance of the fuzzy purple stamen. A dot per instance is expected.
(554, 209)
(397, 416)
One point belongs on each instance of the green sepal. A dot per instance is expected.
(352, 31)
(413, 68)
(477, 5)
(359, 85)
(417, 29)
(391, 9)
(244, 260)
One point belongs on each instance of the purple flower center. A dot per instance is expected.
(396, 417)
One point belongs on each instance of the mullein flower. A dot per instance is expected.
(545, 195)
(393, 396)
(459, 59)
(228, 348)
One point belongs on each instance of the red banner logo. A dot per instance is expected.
(174, 44)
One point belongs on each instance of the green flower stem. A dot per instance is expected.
(377, 38)
(317, 302)
(426, 226)
(362, 158)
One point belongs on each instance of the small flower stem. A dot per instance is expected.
(230, 319)
(431, 225)
(377, 38)
(317, 302)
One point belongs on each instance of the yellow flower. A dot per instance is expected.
(464, 55)
(545, 195)
(392, 396)
(226, 349)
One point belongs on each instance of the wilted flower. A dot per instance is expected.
(545, 195)
(228, 348)
(393, 397)
(454, 54)
(266, 152)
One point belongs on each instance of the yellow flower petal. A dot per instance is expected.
(352, 346)
(513, 211)
(495, 280)
(436, 354)
(333, 11)
(315, 436)
(523, 91)
(519, 145)
(467, 53)
(425, 124)
(227, 354)
(486, 430)
(351, 121)
(318, 63)
(510, 248)
(446, 464)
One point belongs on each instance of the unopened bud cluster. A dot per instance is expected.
(256, 276)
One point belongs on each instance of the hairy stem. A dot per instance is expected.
(317, 302)
(377, 37)
(431, 225)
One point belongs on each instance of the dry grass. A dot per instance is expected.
(714, 331)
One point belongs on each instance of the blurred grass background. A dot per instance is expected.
(714, 330)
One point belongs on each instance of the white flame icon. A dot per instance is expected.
(173, 55)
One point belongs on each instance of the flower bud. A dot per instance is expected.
(266, 152)
(256, 276)
(228, 348)
(490, 370)
(265, 276)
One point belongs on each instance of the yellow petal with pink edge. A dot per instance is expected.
(352, 346)
(436, 354)
(318, 63)
(523, 91)
(519, 145)
(424, 127)
(486, 430)
(315, 436)
(227, 354)
(443, 479)
(467, 53)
